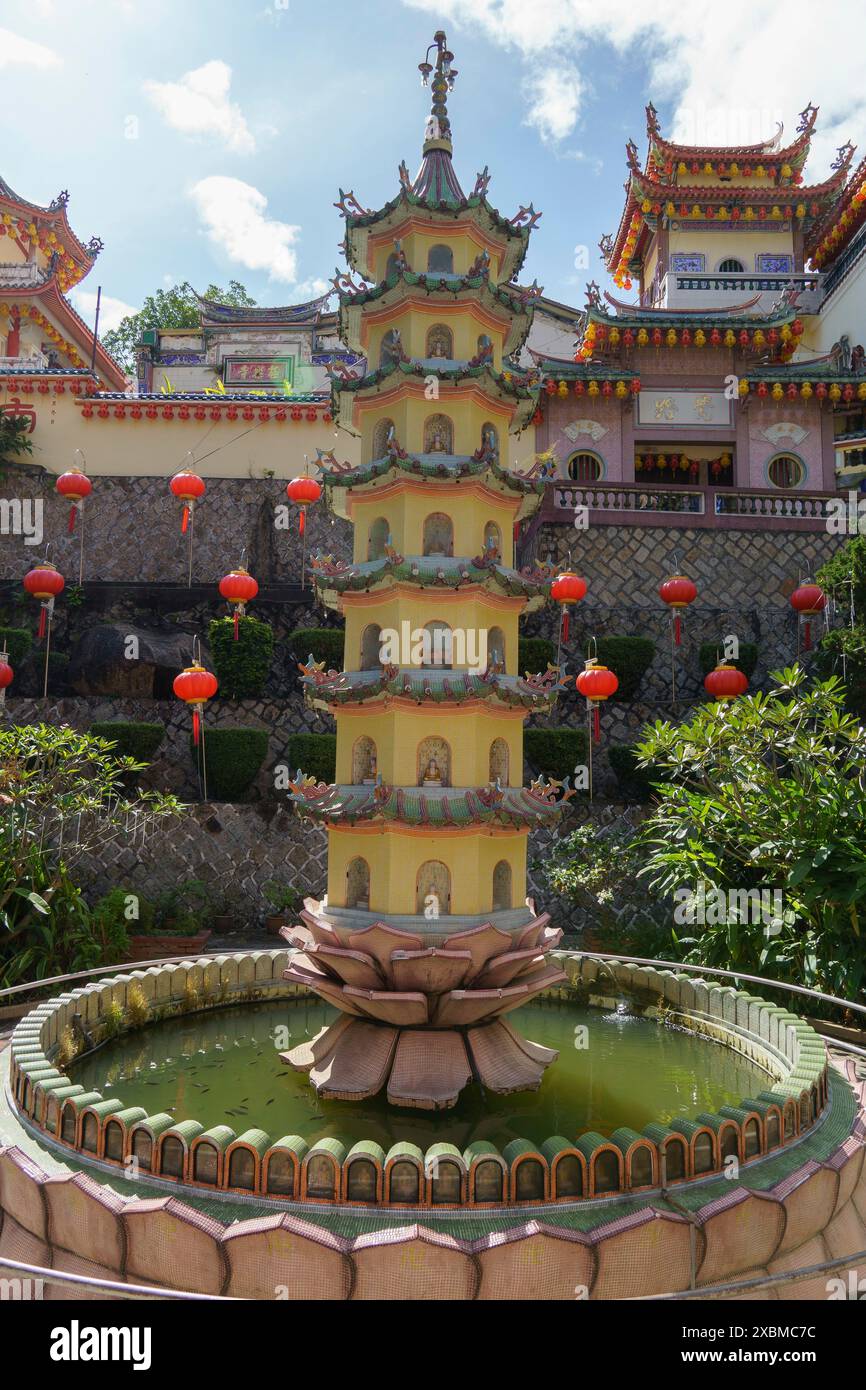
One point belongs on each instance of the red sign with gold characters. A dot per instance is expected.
(256, 372)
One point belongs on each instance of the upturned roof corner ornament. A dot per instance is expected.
(593, 295)
(94, 245)
(61, 201)
(844, 155)
(652, 120)
(605, 245)
(526, 218)
(808, 116)
(631, 154)
(482, 183)
(403, 174)
(349, 206)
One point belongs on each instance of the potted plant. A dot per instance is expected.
(284, 900)
(180, 923)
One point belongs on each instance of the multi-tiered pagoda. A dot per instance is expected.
(425, 940)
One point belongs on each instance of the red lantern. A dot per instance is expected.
(628, 338)
(7, 675)
(195, 686)
(725, 682)
(678, 592)
(762, 389)
(685, 337)
(567, 588)
(74, 486)
(188, 487)
(596, 683)
(634, 386)
(45, 583)
(808, 600)
(793, 390)
(238, 588)
(550, 386)
(772, 337)
(580, 388)
(821, 390)
(743, 337)
(797, 328)
(657, 337)
(715, 337)
(303, 491)
(607, 388)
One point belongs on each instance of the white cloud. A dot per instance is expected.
(723, 82)
(199, 104)
(111, 311)
(14, 49)
(234, 216)
(310, 289)
(554, 101)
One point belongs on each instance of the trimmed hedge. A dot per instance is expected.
(233, 760)
(629, 658)
(322, 643)
(133, 740)
(634, 782)
(555, 752)
(314, 754)
(241, 666)
(17, 641)
(534, 654)
(709, 655)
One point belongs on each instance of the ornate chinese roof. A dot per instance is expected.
(518, 387)
(482, 466)
(840, 223)
(439, 807)
(215, 315)
(428, 572)
(436, 686)
(47, 229)
(663, 151)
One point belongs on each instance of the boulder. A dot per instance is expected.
(121, 659)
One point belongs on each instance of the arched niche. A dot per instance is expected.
(439, 341)
(490, 437)
(484, 345)
(488, 1181)
(493, 538)
(496, 645)
(440, 260)
(358, 883)
(502, 886)
(438, 645)
(392, 265)
(377, 538)
(434, 762)
(363, 760)
(433, 881)
(438, 537)
(383, 433)
(371, 641)
(438, 434)
(362, 1180)
(389, 350)
(242, 1169)
(405, 1182)
(499, 761)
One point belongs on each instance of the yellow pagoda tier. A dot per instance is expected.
(426, 939)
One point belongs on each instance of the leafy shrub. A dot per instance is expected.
(17, 641)
(241, 666)
(709, 655)
(535, 654)
(182, 910)
(322, 643)
(555, 752)
(132, 740)
(112, 912)
(635, 783)
(315, 754)
(137, 1007)
(629, 659)
(847, 566)
(58, 672)
(850, 644)
(233, 758)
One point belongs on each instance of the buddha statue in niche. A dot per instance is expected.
(432, 775)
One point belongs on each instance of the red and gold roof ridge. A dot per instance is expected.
(770, 150)
(20, 218)
(833, 231)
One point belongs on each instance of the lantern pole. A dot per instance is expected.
(49, 609)
(189, 546)
(589, 742)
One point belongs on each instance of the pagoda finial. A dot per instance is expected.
(807, 119)
(437, 135)
(652, 120)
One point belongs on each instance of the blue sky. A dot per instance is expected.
(207, 141)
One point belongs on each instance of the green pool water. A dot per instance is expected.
(224, 1068)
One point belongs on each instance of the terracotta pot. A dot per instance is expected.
(224, 923)
(274, 923)
(154, 947)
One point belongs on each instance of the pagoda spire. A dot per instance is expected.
(438, 133)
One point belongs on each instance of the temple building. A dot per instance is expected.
(426, 937)
(703, 394)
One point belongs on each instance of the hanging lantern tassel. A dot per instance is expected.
(678, 629)
(567, 588)
(302, 520)
(43, 619)
(70, 525)
(597, 683)
(196, 725)
(808, 600)
(184, 519)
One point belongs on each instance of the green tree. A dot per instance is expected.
(14, 439)
(767, 792)
(173, 308)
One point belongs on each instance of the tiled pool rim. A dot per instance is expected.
(286, 1171)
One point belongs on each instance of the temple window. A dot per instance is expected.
(642, 1166)
(114, 1141)
(569, 1177)
(751, 1139)
(434, 762)
(502, 886)
(675, 1160)
(371, 642)
(281, 1173)
(606, 1167)
(321, 1177)
(729, 1146)
(585, 468)
(438, 435)
(440, 260)
(731, 266)
(529, 1181)
(488, 1182)
(439, 648)
(205, 1164)
(499, 761)
(433, 888)
(171, 1158)
(438, 535)
(358, 884)
(389, 350)
(772, 1127)
(404, 1183)
(242, 1169)
(446, 1184)
(440, 341)
(89, 1133)
(785, 471)
(363, 761)
(382, 435)
(789, 1120)
(142, 1149)
(496, 645)
(361, 1181)
(493, 537)
(380, 531)
(704, 1159)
